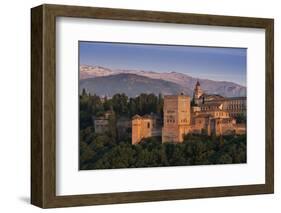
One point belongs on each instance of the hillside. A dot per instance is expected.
(185, 83)
(130, 84)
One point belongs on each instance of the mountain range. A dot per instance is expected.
(107, 82)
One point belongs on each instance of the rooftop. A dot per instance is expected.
(152, 116)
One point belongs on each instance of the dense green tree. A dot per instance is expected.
(92, 105)
(160, 105)
(225, 159)
(150, 152)
(84, 93)
(132, 107)
(120, 104)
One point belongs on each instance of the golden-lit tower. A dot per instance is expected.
(136, 129)
(176, 118)
(142, 127)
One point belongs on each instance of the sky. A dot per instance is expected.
(214, 63)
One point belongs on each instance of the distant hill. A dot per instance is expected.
(130, 84)
(152, 82)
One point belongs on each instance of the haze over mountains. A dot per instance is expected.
(106, 82)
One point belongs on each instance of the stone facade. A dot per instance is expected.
(101, 123)
(234, 106)
(176, 118)
(213, 125)
(211, 115)
(144, 127)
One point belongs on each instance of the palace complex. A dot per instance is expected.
(208, 114)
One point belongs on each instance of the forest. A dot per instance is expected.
(111, 150)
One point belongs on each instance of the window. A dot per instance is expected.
(148, 125)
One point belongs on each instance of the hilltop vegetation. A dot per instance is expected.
(122, 105)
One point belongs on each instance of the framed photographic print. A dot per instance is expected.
(136, 106)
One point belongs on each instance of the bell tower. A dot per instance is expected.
(198, 92)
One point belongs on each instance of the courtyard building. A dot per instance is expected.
(209, 115)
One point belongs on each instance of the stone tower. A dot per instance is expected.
(198, 92)
(142, 127)
(136, 129)
(176, 118)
